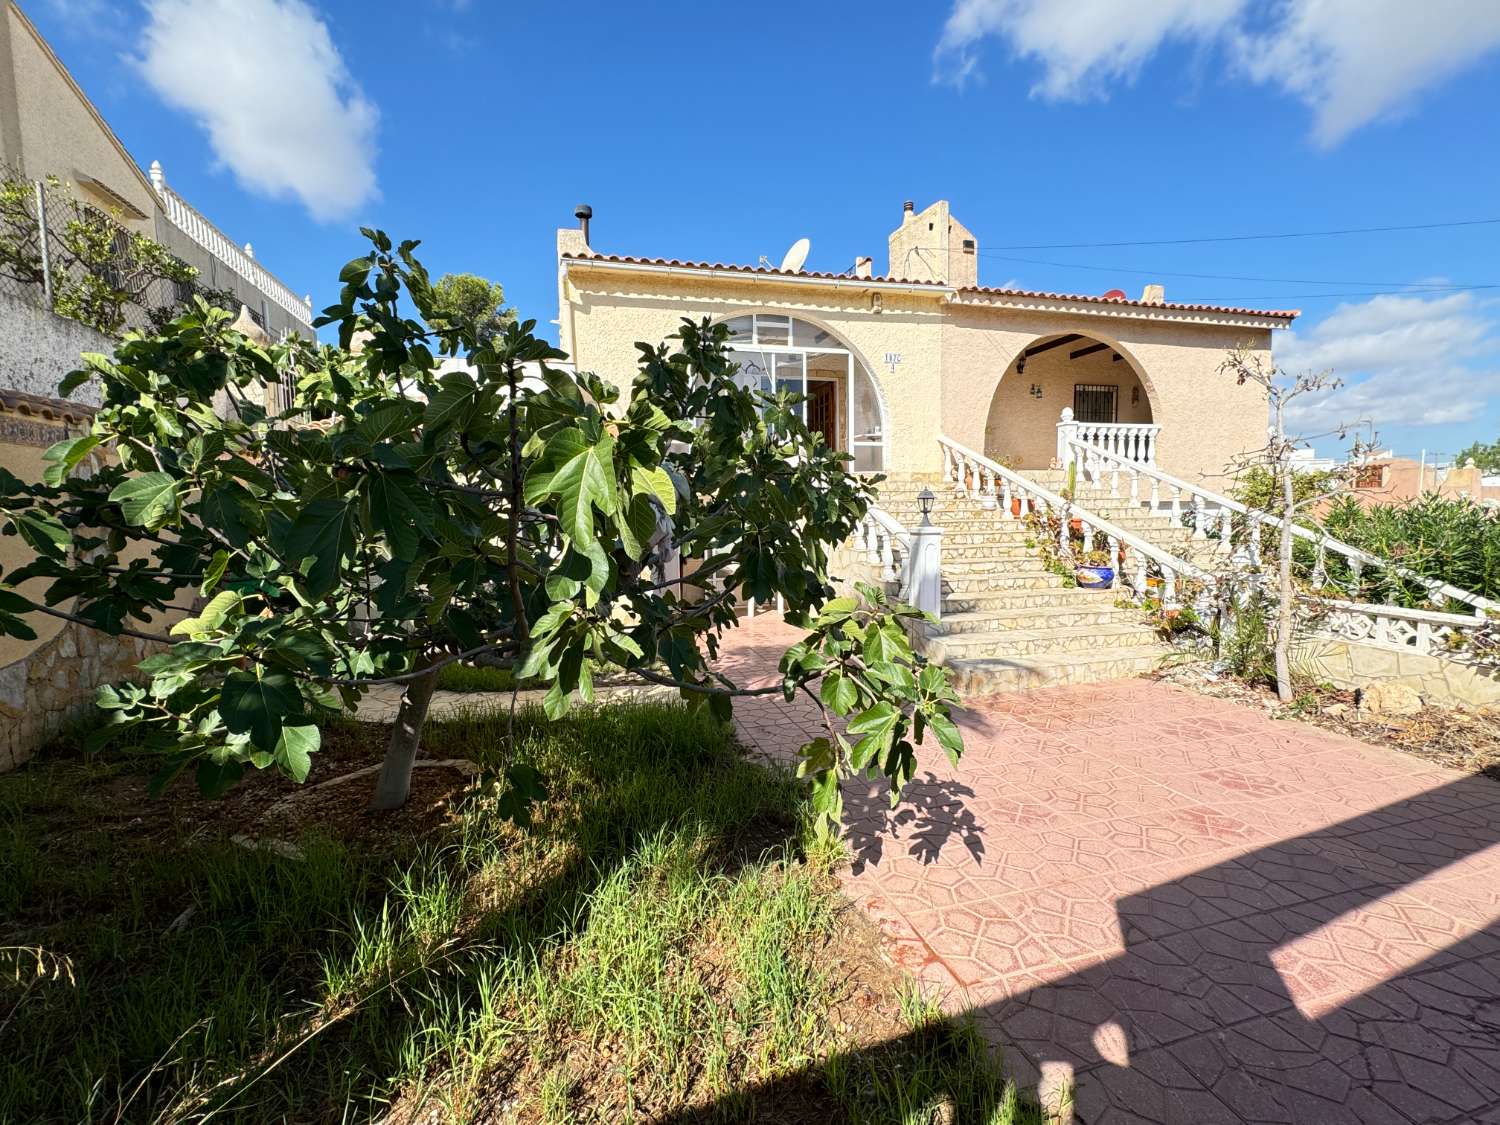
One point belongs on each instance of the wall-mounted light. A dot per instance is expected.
(1135, 395)
(1021, 364)
(1036, 390)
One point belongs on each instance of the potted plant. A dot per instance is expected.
(1094, 570)
(1075, 523)
(1015, 497)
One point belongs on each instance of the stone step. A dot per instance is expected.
(967, 584)
(986, 566)
(991, 600)
(1119, 637)
(1066, 616)
(992, 676)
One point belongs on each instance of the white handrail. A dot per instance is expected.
(191, 222)
(960, 462)
(1088, 458)
(887, 545)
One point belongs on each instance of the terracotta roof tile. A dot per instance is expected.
(1125, 302)
(1277, 314)
(624, 260)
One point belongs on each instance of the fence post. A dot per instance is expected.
(1067, 430)
(925, 590)
(42, 238)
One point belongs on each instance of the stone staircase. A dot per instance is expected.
(1008, 622)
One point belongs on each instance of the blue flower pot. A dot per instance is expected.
(1095, 577)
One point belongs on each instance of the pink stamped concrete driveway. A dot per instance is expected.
(1187, 912)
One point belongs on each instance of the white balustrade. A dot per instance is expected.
(1095, 462)
(887, 546)
(1130, 441)
(191, 222)
(960, 464)
(1387, 626)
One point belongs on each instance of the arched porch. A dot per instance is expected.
(1095, 379)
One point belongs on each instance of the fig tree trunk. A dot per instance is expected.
(394, 783)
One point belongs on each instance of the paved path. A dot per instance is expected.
(1190, 912)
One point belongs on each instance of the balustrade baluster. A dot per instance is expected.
(887, 558)
(1356, 568)
(1255, 541)
(1088, 536)
(1320, 565)
(1112, 545)
(1140, 575)
(1155, 494)
(1005, 512)
(1114, 480)
(1175, 514)
(1200, 530)
(1168, 586)
(1135, 487)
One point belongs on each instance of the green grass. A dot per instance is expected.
(665, 943)
(467, 677)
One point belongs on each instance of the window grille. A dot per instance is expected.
(1094, 403)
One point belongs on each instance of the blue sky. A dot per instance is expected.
(723, 132)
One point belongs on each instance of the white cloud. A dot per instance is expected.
(1351, 61)
(1406, 361)
(266, 82)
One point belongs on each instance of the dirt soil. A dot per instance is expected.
(1463, 738)
(267, 807)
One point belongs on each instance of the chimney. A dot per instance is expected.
(583, 213)
(864, 266)
(1153, 295)
(908, 211)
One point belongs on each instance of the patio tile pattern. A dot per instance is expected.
(1183, 909)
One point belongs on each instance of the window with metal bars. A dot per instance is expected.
(1093, 403)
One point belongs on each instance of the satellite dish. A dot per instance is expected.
(1115, 295)
(796, 257)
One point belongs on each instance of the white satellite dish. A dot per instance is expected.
(796, 257)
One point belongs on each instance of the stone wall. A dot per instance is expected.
(37, 349)
(52, 687)
(1444, 680)
(48, 683)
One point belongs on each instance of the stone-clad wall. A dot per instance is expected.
(1444, 680)
(52, 687)
(48, 683)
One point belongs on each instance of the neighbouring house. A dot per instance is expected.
(890, 361)
(1388, 479)
(50, 130)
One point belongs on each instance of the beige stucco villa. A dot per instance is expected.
(889, 362)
